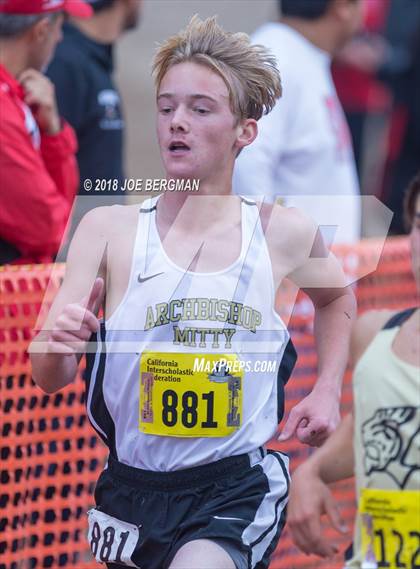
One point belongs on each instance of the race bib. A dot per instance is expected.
(190, 395)
(111, 540)
(390, 526)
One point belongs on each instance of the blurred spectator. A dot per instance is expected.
(87, 96)
(404, 138)
(375, 77)
(359, 89)
(303, 147)
(38, 170)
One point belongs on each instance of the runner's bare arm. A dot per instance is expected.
(310, 496)
(334, 461)
(56, 350)
(315, 270)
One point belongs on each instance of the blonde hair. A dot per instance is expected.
(249, 71)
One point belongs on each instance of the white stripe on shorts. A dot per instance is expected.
(259, 534)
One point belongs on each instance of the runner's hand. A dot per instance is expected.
(309, 499)
(76, 323)
(314, 418)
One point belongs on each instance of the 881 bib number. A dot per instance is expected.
(111, 540)
(190, 395)
(186, 410)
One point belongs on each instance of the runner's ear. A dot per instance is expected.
(246, 132)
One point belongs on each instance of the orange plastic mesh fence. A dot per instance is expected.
(51, 458)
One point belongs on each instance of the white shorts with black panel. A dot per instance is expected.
(143, 518)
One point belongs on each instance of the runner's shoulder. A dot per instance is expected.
(290, 228)
(105, 220)
(294, 220)
(365, 329)
(99, 228)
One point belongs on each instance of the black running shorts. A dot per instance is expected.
(143, 518)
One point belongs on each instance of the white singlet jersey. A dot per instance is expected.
(386, 448)
(191, 367)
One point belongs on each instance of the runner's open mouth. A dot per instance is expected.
(178, 146)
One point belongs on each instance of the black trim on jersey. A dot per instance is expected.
(90, 362)
(348, 554)
(98, 408)
(148, 209)
(399, 319)
(285, 370)
(280, 522)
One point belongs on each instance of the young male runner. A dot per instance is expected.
(380, 444)
(175, 386)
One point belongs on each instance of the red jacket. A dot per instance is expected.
(38, 178)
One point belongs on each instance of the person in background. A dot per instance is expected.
(304, 147)
(376, 77)
(378, 442)
(38, 169)
(87, 95)
(405, 134)
(366, 100)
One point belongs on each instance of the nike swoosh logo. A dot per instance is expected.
(144, 279)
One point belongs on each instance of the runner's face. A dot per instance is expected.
(415, 243)
(195, 125)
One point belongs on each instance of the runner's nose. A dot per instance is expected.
(179, 121)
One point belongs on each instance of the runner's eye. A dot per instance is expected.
(165, 110)
(201, 111)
